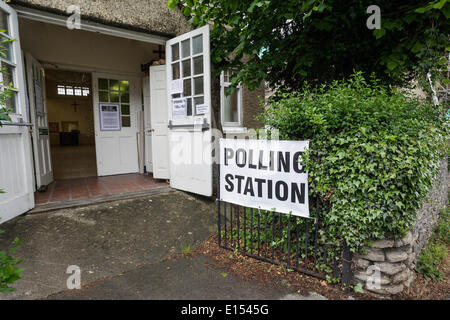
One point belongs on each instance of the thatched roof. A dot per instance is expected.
(150, 16)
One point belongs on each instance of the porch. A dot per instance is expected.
(75, 192)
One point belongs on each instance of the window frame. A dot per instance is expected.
(223, 86)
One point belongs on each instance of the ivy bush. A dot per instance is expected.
(374, 153)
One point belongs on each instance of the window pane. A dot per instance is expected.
(103, 84)
(187, 87)
(186, 67)
(4, 25)
(231, 107)
(189, 106)
(175, 71)
(7, 50)
(78, 91)
(124, 86)
(114, 85)
(61, 90)
(198, 100)
(124, 97)
(175, 52)
(197, 44)
(125, 109)
(126, 121)
(85, 92)
(198, 65)
(185, 48)
(10, 102)
(69, 90)
(198, 85)
(8, 74)
(103, 96)
(114, 96)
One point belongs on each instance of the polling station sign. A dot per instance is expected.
(264, 174)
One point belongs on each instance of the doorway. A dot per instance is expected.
(71, 123)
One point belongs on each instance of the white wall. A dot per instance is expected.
(89, 50)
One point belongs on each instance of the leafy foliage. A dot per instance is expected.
(9, 272)
(290, 41)
(373, 154)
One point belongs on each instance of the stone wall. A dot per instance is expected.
(395, 260)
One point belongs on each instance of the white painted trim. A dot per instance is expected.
(46, 17)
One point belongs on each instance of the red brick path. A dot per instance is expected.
(93, 187)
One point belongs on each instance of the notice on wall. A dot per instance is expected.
(201, 109)
(176, 86)
(264, 174)
(179, 108)
(110, 117)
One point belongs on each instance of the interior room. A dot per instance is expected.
(71, 123)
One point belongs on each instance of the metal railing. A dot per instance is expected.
(293, 242)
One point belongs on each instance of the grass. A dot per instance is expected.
(429, 260)
(186, 249)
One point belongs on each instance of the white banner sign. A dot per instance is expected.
(179, 108)
(264, 174)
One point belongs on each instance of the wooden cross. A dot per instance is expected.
(75, 104)
(160, 52)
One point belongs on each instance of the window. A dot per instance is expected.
(8, 77)
(231, 105)
(110, 90)
(63, 90)
(187, 64)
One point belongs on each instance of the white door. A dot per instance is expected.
(148, 158)
(189, 104)
(16, 173)
(39, 118)
(116, 142)
(158, 130)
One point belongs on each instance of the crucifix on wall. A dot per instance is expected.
(75, 104)
(160, 52)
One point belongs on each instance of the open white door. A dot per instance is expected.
(189, 104)
(148, 158)
(38, 113)
(157, 130)
(16, 173)
(117, 100)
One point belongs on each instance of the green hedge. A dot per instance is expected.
(374, 153)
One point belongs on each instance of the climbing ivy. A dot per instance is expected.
(374, 153)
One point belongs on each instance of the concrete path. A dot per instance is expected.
(126, 250)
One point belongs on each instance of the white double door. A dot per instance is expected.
(117, 101)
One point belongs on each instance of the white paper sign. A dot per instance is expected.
(176, 86)
(264, 174)
(110, 117)
(179, 108)
(201, 109)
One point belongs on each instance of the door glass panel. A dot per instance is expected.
(124, 97)
(185, 48)
(189, 106)
(125, 109)
(114, 96)
(175, 52)
(7, 51)
(186, 68)
(10, 102)
(197, 45)
(114, 85)
(103, 84)
(176, 71)
(126, 121)
(187, 87)
(198, 85)
(4, 24)
(103, 96)
(198, 100)
(124, 86)
(198, 65)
